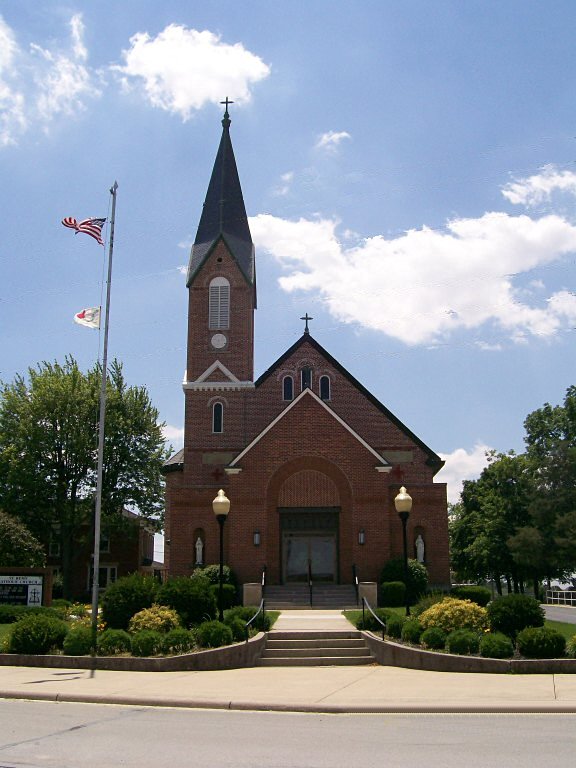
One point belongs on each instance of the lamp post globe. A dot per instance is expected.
(221, 507)
(403, 504)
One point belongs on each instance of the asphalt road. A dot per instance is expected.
(40, 734)
(561, 613)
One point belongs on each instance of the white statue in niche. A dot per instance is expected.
(420, 546)
(199, 551)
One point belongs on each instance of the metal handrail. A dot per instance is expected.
(310, 583)
(378, 619)
(261, 610)
(263, 580)
(356, 583)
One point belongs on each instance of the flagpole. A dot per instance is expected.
(98, 510)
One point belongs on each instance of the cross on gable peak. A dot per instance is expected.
(306, 318)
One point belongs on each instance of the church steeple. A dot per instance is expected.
(224, 214)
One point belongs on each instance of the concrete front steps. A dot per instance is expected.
(331, 596)
(315, 648)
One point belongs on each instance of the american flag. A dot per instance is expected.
(92, 227)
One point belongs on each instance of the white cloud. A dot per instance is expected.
(330, 140)
(283, 188)
(174, 436)
(38, 84)
(183, 69)
(424, 285)
(539, 188)
(461, 465)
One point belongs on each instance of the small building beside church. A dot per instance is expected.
(310, 460)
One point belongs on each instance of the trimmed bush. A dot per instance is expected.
(238, 628)
(541, 643)
(479, 595)
(513, 613)
(178, 641)
(571, 647)
(417, 582)
(369, 623)
(114, 641)
(78, 641)
(433, 638)
(11, 613)
(451, 614)
(262, 623)
(213, 634)
(495, 645)
(212, 573)
(127, 596)
(394, 626)
(427, 602)
(147, 643)
(157, 618)
(393, 594)
(463, 642)
(228, 595)
(37, 634)
(192, 598)
(411, 631)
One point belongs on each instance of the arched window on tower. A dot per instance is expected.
(324, 386)
(217, 418)
(306, 378)
(288, 388)
(219, 303)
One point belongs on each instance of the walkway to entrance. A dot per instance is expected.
(310, 620)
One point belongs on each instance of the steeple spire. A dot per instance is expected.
(224, 214)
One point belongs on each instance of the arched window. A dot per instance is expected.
(288, 388)
(306, 378)
(219, 303)
(217, 418)
(324, 388)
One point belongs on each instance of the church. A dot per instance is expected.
(310, 460)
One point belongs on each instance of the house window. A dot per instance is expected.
(306, 378)
(105, 542)
(324, 387)
(288, 388)
(217, 418)
(219, 303)
(107, 574)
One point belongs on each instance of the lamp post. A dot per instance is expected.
(221, 507)
(403, 504)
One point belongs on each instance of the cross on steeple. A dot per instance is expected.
(226, 103)
(306, 318)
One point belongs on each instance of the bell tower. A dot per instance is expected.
(221, 284)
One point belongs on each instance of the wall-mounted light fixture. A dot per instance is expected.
(256, 538)
(361, 536)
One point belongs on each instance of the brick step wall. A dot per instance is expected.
(315, 648)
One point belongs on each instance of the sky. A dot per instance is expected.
(408, 167)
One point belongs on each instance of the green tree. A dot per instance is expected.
(48, 452)
(18, 547)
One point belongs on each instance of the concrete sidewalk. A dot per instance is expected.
(310, 689)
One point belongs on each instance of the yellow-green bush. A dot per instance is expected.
(158, 618)
(452, 613)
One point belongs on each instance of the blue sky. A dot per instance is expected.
(408, 167)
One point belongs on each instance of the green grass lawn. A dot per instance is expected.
(568, 630)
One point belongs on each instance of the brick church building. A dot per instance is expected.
(310, 460)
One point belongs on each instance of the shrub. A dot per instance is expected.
(78, 641)
(417, 581)
(11, 613)
(571, 646)
(212, 573)
(228, 594)
(126, 597)
(479, 595)
(451, 614)
(393, 593)
(157, 618)
(147, 643)
(213, 634)
(463, 642)
(37, 634)
(394, 626)
(238, 628)
(113, 641)
(427, 601)
(433, 638)
(190, 597)
(411, 631)
(541, 643)
(178, 640)
(495, 645)
(261, 623)
(369, 623)
(512, 613)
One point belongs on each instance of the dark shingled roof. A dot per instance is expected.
(224, 214)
